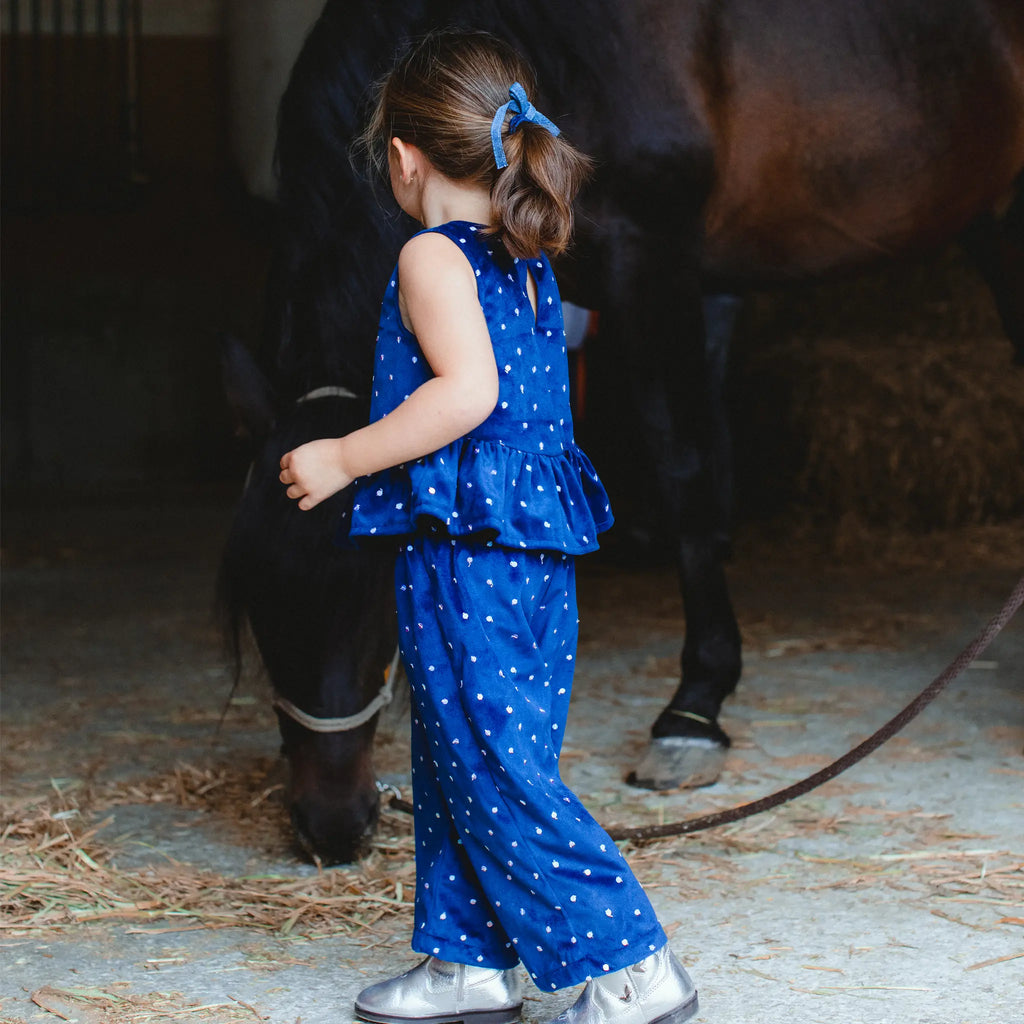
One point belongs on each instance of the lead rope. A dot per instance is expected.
(705, 821)
(872, 743)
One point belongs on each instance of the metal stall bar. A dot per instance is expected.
(71, 112)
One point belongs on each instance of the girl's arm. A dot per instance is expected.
(438, 296)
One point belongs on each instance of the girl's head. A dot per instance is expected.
(442, 96)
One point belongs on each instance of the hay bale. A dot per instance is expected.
(888, 402)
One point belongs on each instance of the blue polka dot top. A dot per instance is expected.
(518, 479)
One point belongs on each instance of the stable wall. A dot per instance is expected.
(124, 259)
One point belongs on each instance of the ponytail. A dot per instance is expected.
(532, 197)
(444, 96)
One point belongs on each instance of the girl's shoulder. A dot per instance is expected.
(455, 235)
(431, 254)
(476, 241)
(437, 279)
(454, 247)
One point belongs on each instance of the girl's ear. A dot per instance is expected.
(409, 159)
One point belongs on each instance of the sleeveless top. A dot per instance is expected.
(518, 479)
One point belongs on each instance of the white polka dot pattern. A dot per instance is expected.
(509, 864)
(519, 478)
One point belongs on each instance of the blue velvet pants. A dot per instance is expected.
(509, 864)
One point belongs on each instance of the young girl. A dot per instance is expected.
(469, 462)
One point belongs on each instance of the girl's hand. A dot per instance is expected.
(438, 287)
(315, 471)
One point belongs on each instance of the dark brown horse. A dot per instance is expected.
(738, 143)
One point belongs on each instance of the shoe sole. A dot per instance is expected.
(681, 1013)
(504, 1016)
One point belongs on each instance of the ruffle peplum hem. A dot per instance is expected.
(487, 488)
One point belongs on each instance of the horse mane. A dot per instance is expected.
(332, 240)
(337, 232)
(281, 570)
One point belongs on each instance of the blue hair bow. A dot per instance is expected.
(523, 110)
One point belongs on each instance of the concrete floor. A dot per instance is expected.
(894, 894)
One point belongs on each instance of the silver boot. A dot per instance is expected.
(655, 991)
(438, 992)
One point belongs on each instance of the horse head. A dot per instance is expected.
(321, 615)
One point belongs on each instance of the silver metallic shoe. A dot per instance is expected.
(438, 992)
(655, 991)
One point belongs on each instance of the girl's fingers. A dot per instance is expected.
(286, 476)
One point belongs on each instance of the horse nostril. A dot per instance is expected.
(335, 833)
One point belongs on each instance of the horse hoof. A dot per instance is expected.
(679, 761)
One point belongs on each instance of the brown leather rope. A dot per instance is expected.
(705, 821)
(872, 743)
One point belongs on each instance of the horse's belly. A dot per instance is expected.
(787, 243)
(776, 220)
(829, 156)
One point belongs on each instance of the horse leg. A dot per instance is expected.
(688, 746)
(719, 313)
(995, 246)
(678, 393)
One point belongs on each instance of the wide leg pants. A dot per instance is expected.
(509, 864)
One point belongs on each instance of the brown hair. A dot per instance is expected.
(441, 96)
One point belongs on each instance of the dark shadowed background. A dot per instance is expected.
(134, 136)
